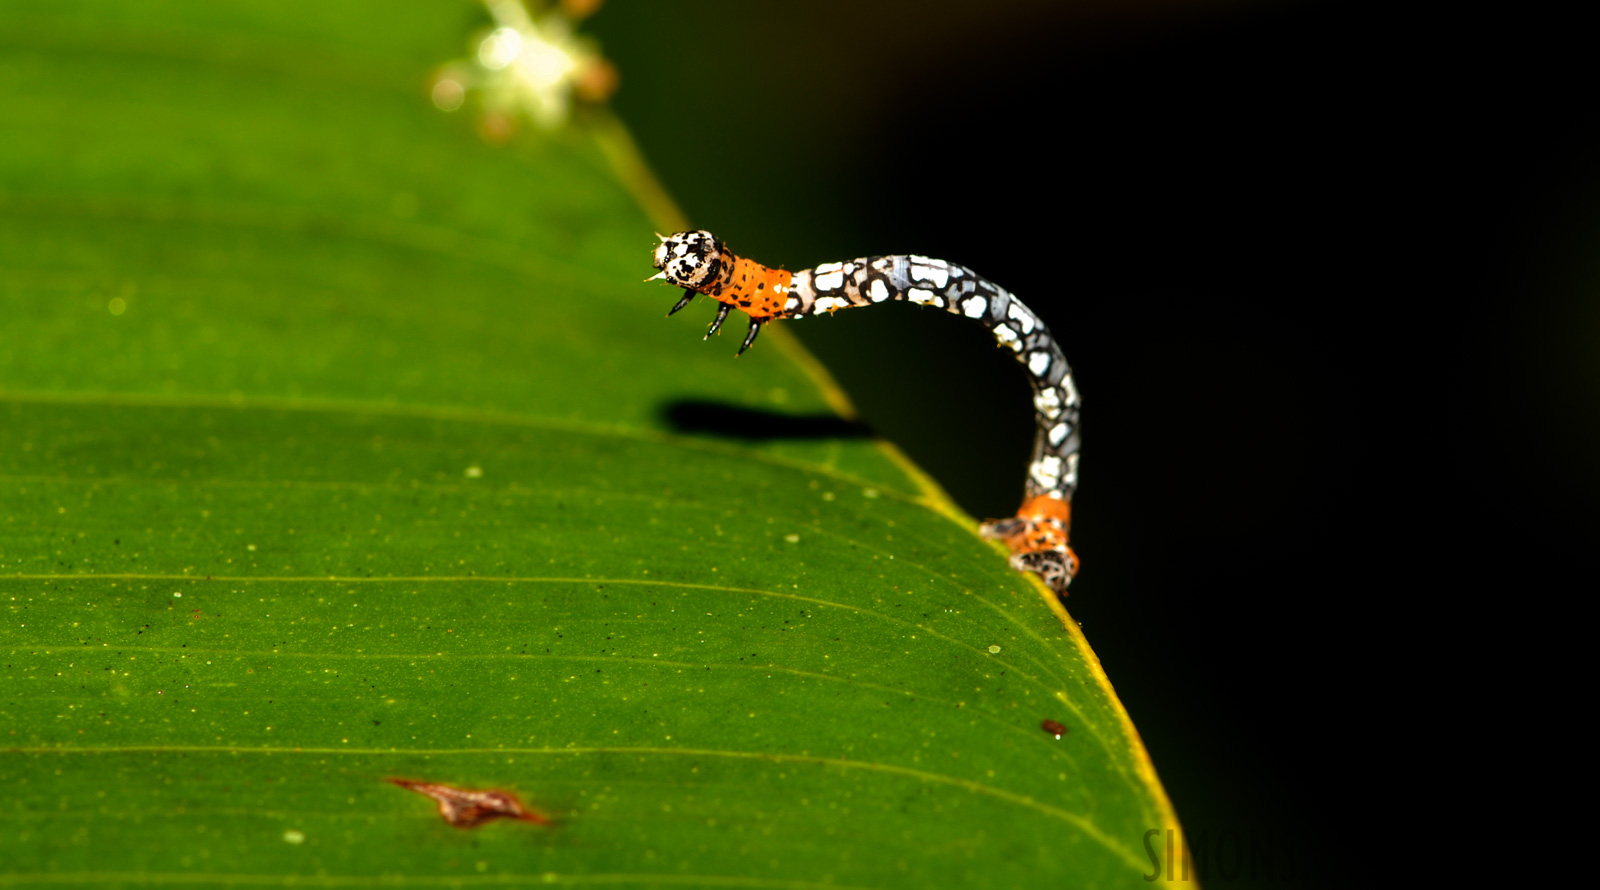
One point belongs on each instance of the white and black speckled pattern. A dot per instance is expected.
(960, 291)
(701, 264)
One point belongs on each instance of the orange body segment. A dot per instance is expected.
(755, 289)
(1046, 506)
(1046, 520)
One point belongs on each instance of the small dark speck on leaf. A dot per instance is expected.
(1053, 728)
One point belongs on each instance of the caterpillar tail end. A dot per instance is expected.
(1054, 567)
(1037, 538)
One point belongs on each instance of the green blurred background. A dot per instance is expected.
(1325, 274)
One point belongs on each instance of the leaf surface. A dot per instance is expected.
(337, 445)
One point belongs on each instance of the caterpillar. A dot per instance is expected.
(1037, 536)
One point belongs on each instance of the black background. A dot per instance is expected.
(1325, 276)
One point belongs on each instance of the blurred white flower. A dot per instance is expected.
(527, 67)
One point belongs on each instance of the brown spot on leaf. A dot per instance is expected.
(469, 809)
(1054, 728)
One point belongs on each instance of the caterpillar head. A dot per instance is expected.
(690, 259)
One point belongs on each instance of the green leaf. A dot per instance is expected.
(338, 444)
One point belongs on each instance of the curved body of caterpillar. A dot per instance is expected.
(1037, 535)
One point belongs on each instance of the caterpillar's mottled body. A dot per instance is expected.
(1037, 535)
